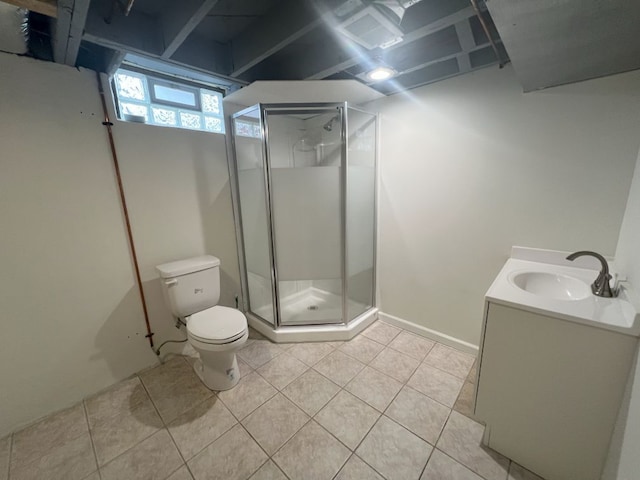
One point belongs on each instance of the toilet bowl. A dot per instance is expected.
(216, 334)
(191, 289)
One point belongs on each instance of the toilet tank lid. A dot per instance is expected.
(190, 265)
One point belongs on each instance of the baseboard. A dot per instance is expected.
(429, 333)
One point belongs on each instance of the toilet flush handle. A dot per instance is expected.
(171, 282)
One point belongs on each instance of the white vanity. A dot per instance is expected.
(554, 361)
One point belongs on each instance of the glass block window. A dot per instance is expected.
(247, 129)
(145, 99)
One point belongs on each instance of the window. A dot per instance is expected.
(157, 101)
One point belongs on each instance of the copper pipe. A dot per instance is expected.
(474, 4)
(127, 9)
(123, 201)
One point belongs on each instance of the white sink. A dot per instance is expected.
(551, 285)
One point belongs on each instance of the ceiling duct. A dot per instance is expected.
(14, 29)
(373, 23)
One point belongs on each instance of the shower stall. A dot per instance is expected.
(305, 199)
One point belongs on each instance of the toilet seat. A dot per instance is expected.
(217, 325)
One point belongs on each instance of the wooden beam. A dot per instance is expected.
(45, 7)
(280, 27)
(467, 43)
(60, 30)
(330, 61)
(78, 20)
(180, 21)
(137, 32)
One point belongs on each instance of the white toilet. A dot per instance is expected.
(191, 289)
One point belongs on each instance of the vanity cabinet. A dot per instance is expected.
(549, 390)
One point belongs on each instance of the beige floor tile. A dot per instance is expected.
(395, 364)
(517, 472)
(449, 360)
(413, 345)
(420, 414)
(198, 427)
(311, 353)
(393, 451)
(174, 388)
(94, 476)
(71, 460)
(347, 418)
(312, 454)
(154, 458)
(268, 471)
(337, 344)
(234, 456)
(274, 423)
(172, 370)
(356, 469)
(443, 467)
(382, 332)
(250, 392)
(464, 403)
(362, 348)
(311, 391)
(113, 436)
(461, 440)
(122, 398)
(473, 373)
(282, 370)
(255, 335)
(243, 367)
(47, 435)
(181, 474)
(179, 397)
(5, 448)
(259, 352)
(436, 384)
(375, 388)
(338, 367)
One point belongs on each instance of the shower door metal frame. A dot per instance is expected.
(293, 108)
(263, 110)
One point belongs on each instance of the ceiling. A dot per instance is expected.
(549, 42)
(553, 42)
(243, 41)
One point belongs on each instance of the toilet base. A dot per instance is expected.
(217, 370)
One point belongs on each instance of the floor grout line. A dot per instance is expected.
(93, 445)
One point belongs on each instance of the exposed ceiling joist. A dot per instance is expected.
(137, 32)
(181, 20)
(45, 7)
(61, 29)
(78, 19)
(332, 62)
(467, 43)
(278, 29)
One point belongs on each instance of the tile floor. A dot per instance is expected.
(385, 405)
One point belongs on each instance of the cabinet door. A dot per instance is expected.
(549, 391)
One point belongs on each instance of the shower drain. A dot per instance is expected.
(312, 307)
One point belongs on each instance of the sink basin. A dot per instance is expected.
(551, 285)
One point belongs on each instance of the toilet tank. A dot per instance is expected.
(190, 285)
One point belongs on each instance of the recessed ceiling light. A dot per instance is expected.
(381, 73)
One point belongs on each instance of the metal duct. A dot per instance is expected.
(14, 29)
(373, 23)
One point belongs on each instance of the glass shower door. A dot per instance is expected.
(361, 194)
(250, 168)
(305, 157)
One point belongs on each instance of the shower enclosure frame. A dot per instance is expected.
(344, 328)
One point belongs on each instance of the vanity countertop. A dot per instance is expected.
(617, 314)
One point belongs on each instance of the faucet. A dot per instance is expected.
(600, 287)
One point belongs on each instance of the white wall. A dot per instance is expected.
(72, 318)
(623, 462)
(471, 166)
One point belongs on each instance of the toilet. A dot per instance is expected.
(191, 289)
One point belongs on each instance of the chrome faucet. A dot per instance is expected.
(601, 286)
